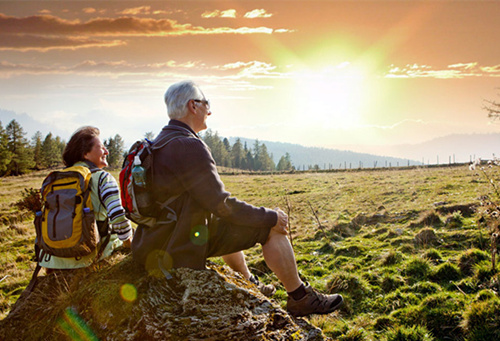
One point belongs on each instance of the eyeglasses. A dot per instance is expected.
(204, 101)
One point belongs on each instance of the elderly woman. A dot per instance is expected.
(85, 148)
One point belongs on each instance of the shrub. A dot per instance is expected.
(391, 258)
(481, 321)
(441, 314)
(446, 272)
(383, 323)
(468, 285)
(417, 269)
(426, 236)
(394, 301)
(424, 288)
(414, 333)
(354, 287)
(469, 258)
(433, 255)
(354, 334)
(484, 271)
(391, 282)
(429, 219)
(485, 295)
(350, 251)
(409, 315)
(454, 220)
(31, 200)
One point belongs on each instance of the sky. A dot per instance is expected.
(357, 75)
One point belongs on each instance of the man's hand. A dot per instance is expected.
(282, 224)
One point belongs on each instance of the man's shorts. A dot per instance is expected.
(226, 238)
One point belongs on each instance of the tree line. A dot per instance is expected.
(20, 155)
(240, 156)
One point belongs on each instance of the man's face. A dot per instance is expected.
(202, 113)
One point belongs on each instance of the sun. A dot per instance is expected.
(334, 96)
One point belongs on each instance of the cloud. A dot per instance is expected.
(54, 32)
(230, 13)
(90, 67)
(458, 70)
(89, 10)
(257, 13)
(41, 43)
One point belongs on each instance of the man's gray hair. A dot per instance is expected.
(178, 95)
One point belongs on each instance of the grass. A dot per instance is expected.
(409, 249)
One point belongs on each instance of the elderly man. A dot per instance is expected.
(209, 222)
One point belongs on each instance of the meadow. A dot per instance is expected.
(410, 249)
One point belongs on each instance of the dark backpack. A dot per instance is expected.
(139, 202)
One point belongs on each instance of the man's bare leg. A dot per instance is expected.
(279, 257)
(236, 261)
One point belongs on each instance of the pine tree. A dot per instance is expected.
(149, 135)
(18, 145)
(237, 154)
(36, 144)
(51, 154)
(116, 148)
(5, 154)
(284, 164)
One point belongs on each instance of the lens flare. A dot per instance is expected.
(199, 235)
(128, 292)
(75, 327)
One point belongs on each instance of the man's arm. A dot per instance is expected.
(197, 171)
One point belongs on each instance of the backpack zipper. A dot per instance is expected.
(63, 184)
(55, 217)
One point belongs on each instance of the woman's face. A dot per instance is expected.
(97, 154)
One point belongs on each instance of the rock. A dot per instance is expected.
(122, 302)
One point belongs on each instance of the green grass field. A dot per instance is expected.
(409, 249)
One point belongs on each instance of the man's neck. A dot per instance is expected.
(188, 122)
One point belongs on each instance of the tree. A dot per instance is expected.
(51, 153)
(18, 145)
(237, 154)
(493, 109)
(284, 164)
(5, 154)
(149, 135)
(36, 145)
(116, 148)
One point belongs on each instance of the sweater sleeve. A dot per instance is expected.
(197, 171)
(110, 197)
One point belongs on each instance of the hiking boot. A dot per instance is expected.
(313, 303)
(266, 290)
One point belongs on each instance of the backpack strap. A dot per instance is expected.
(39, 253)
(103, 226)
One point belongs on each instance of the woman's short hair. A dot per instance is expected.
(80, 143)
(178, 95)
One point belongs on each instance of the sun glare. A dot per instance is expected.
(334, 97)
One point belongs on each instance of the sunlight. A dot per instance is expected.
(334, 96)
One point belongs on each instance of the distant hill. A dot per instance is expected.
(304, 157)
(456, 147)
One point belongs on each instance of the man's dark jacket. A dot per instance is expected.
(185, 168)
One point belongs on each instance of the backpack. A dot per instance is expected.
(66, 225)
(139, 201)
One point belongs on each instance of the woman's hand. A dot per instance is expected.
(127, 243)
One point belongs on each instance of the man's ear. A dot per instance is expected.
(191, 106)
